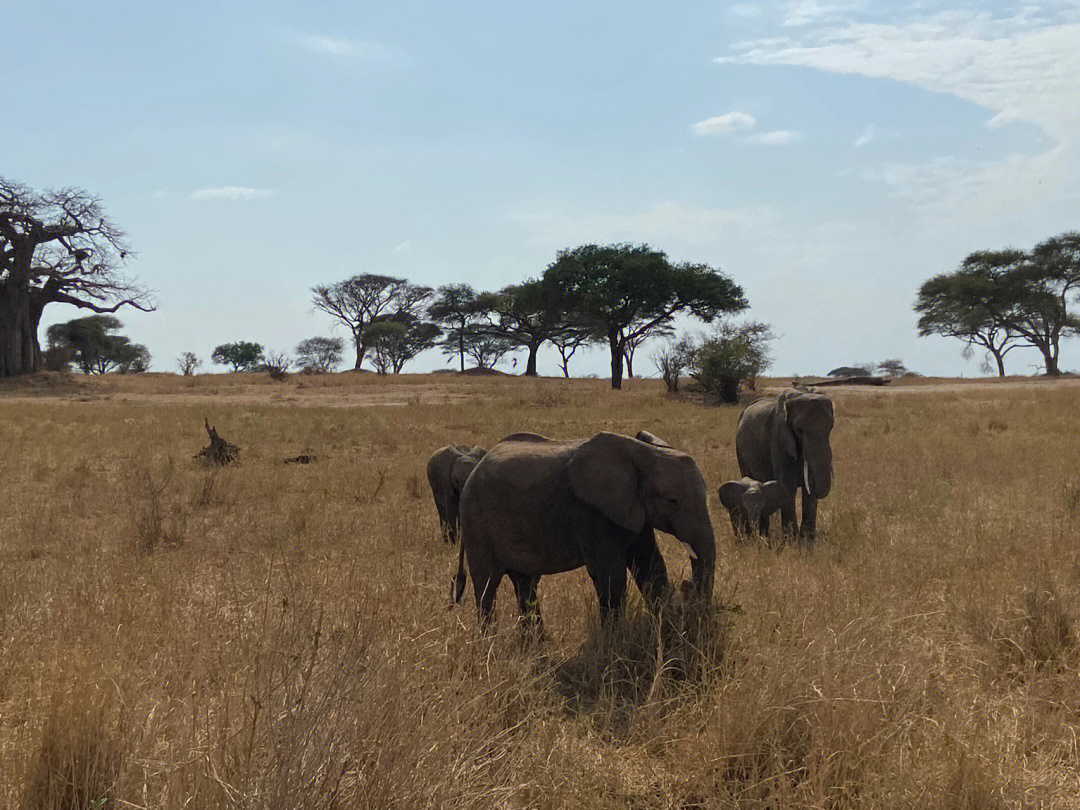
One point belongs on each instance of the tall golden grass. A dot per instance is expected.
(278, 636)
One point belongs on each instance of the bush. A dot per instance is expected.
(733, 354)
(673, 360)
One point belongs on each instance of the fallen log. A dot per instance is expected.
(853, 381)
(219, 452)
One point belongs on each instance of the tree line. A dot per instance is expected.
(1000, 300)
(59, 247)
(615, 295)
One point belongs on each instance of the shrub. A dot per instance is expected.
(733, 354)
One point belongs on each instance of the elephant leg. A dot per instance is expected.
(763, 526)
(529, 603)
(789, 520)
(647, 567)
(484, 587)
(809, 518)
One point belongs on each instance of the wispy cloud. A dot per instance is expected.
(402, 247)
(230, 193)
(867, 136)
(778, 137)
(368, 51)
(724, 124)
(1021, 66)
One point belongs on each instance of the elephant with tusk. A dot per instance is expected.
(786, 440)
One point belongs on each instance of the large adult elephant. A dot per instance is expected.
(787, 440)
(447, 470)
(534, 506)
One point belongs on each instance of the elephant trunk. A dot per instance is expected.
(702, 545)
(817, 469)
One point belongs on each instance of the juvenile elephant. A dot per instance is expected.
(787, 440)
(750, 504)
(534, 506)
(447, 471)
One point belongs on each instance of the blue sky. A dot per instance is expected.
(827, 156)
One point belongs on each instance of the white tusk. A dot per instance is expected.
(693, 554)
(806, 477)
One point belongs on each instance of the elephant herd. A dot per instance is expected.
(533, 506)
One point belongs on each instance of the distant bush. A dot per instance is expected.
(735, 353)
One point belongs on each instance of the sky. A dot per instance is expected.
(829, 157)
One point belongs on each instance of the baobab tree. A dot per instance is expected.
(56, 247)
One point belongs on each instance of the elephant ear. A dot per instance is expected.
(603, 473)
(731, 494)
(773, 494)
(650, 438)
(784, 434)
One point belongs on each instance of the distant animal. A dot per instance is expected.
(750, 504)
(447, 471)
(534, 506)
(787, 440)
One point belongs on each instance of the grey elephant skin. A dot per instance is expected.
(534, 507)
(447, 470)
(750, 504)
(787, 440)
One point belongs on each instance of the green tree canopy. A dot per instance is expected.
(362, 299)
(458, 307)
(241, 355)
(733, 354)
(527, 315)
(396, 341)
(625, 291)
(92, 344)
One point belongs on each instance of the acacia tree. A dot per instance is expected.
(91, 343)
(624, 292)
(632, 344)
(458, 308)
(568, 341)
(319, 353)
(396, 341)
(526, 314)
(974, 304)
(1049, 277)
(484, 348)
(241, 355)
(56, 247)
(362, 299)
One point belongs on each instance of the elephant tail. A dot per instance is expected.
(458, 582)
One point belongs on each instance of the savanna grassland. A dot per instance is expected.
(276, 635)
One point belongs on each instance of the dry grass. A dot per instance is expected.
(277, 635)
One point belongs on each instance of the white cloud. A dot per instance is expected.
(1024, 67)
(724, 124)
(402, 247)
(370, 51)
(1031, 74)
(158, 195)
(805, 12)
(867, 136)
(230, 193)
(778, 137)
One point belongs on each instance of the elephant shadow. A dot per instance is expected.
(643, 659)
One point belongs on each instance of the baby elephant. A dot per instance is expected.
(750, 504)
(447, 472)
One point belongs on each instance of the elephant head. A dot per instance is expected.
(803, 424)
(747, 501)
(635, 483)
